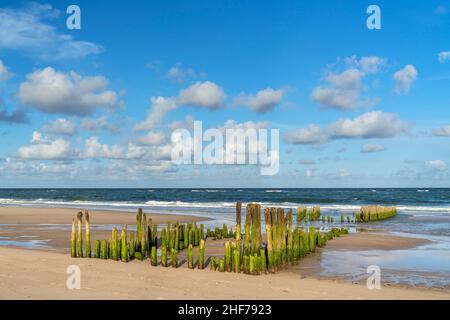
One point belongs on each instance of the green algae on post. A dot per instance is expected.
(374, 213)
(221, 265)
(104, 249)
(153, 257)
(301, 214)
(164, 256)
(236, 261)
(80, 234)
(124, 246)
(201, 254)
(269, 234)
(174, 258)
(88, 236)
(213, 263)
(113, 244)
(73, 241)
(190, 258)
(97, 252)
(227, 256)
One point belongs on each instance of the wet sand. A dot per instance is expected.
(29, 215)
(374, 241)
(51, 226)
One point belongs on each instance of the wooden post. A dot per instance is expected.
(138, 230)
(177, 237)
(154, 257)
(221, 265)
(143, 242)
(227, 256)
(196, 236)
(174, 258)
(104, 249)
(201, 254)
(190, 257)
(301, 214)
(246, 264)
(213, 263)
(290, 240)
(236, 261)
(97, 252)
(186, 237)
(251, 268)
(164, 256)
(113, 244)
(123, 246)
(80, 234)
(268, 221)
(256, 228)
(247, 231)
(262, 254)
(191, 236)
(73, 241)
(88, 236)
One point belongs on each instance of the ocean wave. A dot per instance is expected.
(276, 191)
(206, 205)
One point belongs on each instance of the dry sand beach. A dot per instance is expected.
(40, 273)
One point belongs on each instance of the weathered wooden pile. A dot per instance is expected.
(374, 213)
(284, 243)
(250, 251)
(140, 244)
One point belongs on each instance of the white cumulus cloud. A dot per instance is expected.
(55, 92)
(404, 78)
(263, 101)
(373, 124)
(43, 148)
(203, 95)
(312, 134)
(160, 107)
(59, 126)
(343, 90)
(437, 165)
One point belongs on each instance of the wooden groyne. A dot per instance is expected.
(259, 248)
(374, 213)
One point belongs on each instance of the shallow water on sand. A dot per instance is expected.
(426, 265)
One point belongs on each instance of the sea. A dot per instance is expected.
(422, 213)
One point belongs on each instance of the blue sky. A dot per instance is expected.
(96, 107)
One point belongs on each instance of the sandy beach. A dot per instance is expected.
(40, 273)
(26, 274)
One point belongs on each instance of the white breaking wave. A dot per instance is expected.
(198, 205)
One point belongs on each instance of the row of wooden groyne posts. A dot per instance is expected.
(285, 242)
